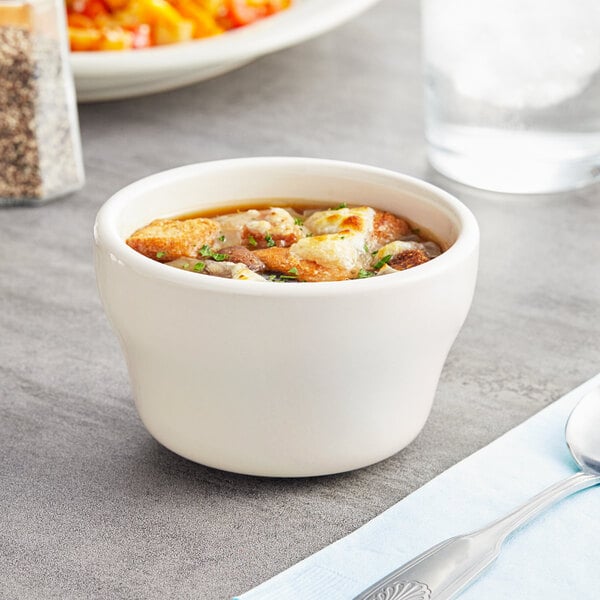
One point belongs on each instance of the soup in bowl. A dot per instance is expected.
(287, 243)
(279, 373)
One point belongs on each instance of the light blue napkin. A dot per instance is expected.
(556, 556)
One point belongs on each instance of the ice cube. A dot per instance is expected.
(514, 53)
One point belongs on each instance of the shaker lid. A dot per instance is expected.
(16, 14)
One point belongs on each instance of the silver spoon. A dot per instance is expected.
(441, 572)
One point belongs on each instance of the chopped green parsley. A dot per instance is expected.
(221, 238)
(199, 267)
(298, 221)
(270, 241)
(342, 205)
(362, 274)
(252, 241)
(384, 261)
(206, 251)
(292, 274)
(161, 254)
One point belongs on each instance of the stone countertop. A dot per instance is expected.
(90, 505)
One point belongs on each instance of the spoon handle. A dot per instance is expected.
(444, 570)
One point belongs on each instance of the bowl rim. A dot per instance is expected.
(297, 24)
(106, 234)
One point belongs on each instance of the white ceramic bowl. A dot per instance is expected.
(112, 75)
(284, 379)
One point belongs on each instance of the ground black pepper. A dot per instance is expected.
(40, 154)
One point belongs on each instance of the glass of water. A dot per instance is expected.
(512, 92)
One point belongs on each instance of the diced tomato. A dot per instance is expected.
(96, 8)
(76, 6)
(142, 36)
(116, 4)
(79, 21)
(244, 12)
(89, 8)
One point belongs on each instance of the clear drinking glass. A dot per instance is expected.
(512, 92)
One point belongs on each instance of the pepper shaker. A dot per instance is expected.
(40, 146)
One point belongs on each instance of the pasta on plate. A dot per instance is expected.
(133, 24)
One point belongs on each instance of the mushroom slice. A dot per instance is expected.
(226, 269)
(241, 254)
(400, 255)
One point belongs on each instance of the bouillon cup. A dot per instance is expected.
(284, 379)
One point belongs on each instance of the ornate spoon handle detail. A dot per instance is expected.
(398, 589)
(444, 570)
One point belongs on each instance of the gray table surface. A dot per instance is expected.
(90, 505)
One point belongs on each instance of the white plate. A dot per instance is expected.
(113, 75)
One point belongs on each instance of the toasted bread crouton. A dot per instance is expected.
(387, 228)
(168, 239)
(281, 260)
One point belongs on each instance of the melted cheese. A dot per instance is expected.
(339, 238)
(338, 251)
(233, 224)
(351, 220)
(276, 222)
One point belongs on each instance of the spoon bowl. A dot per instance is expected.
(582, 432)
